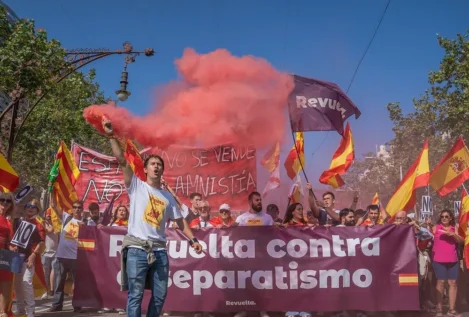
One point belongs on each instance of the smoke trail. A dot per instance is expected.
(221, 99)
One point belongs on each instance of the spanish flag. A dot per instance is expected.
(296, 158)
(271, 162)
(9, 179)
(375, 200)
(463, 224)
(417, 176)
(39, 279)
(135, 160)
(453, 169)
(341, 161)
(68, 173)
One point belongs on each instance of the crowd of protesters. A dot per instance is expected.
(438, 245)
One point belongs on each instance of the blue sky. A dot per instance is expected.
(320, 39)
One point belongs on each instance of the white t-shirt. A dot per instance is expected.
(68, 243)
(150, 209)
(259, 219)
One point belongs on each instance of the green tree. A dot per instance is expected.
(31, 61)
(440, 115)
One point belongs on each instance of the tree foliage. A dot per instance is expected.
(30, 60)
(440, 115)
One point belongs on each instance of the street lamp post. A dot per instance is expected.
(19, 109)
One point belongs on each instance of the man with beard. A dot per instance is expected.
(346, 218)
(255, 216)
(94, 218)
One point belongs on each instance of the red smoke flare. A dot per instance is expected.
(222, 99)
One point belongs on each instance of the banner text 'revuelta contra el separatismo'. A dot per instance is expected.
(265, 268)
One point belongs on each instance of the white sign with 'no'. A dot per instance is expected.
(23, 234)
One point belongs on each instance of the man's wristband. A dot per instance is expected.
(111, 136)
(193, 240)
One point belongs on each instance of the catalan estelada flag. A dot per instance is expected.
(375, 200)
(271, 161)
(341, 161)
(9, 179)
(135, 160)
(66, 173)
(463, 224)
(296, 158)
(417, 176)
(408, 280)
(453, 169)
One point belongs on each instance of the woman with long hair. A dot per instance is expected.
(7, 205)
(294, 215)
(445, 261)
(120, 217)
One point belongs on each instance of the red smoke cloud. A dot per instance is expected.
(221, 99)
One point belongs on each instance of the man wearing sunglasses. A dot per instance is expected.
(67, 250)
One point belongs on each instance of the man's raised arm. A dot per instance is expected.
(118, 153)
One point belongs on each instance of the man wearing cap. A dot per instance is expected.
(224, 219)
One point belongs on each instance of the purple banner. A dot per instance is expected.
(265, 268)
(316, 105)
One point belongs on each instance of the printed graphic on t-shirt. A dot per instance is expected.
(71, 231)
(254, 222)
(154, 211)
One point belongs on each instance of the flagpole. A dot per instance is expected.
(464, 187)
(299, 159)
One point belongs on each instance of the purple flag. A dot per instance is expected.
(316, 105)
(107, 213)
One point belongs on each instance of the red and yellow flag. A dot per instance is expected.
(375, 200)
(9, 179)
(453, 169)
(271, 159)
(271, 162)
(417, 176)
(296, 195)
(463, 222)
(341, 161)
(68, 173)
(135, 160)
(296, 158)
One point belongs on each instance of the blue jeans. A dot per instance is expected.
(137, 270)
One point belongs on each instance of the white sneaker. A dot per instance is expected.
(263, 314)
(121, 312)
(241, 314)
(45, 296)
(167, 313)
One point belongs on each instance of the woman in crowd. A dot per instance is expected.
(6, 234)
(49, 254)
(120, 217)
(294, 215)
(445, 261)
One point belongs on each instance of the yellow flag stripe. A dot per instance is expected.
(447, 171)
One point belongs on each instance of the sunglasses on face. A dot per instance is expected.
(5, 201)
(77, 207)
(30, 206)
(224, 211)
(444, 217)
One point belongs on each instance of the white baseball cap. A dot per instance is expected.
(224, 207)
